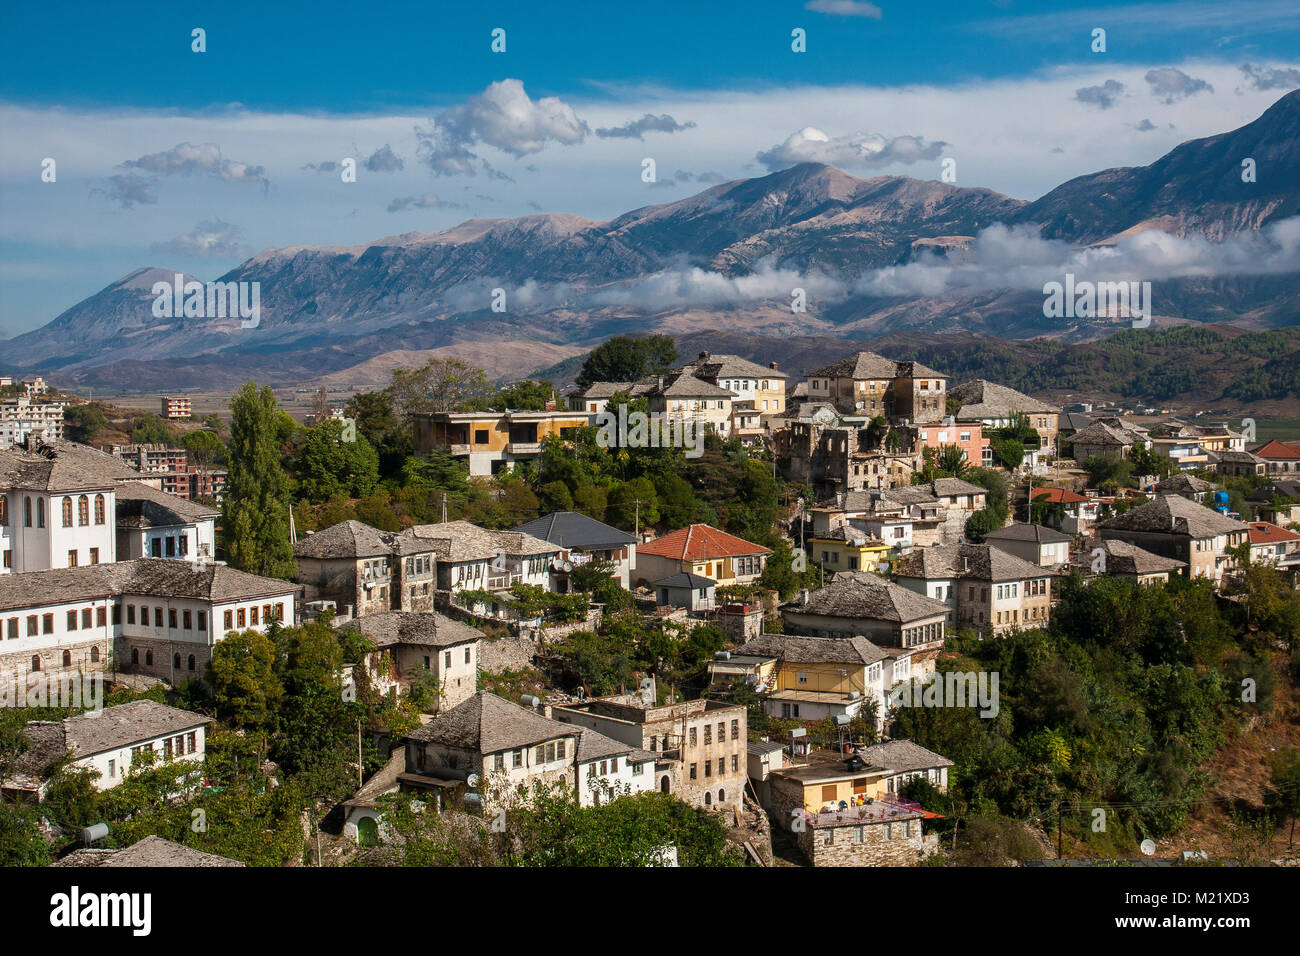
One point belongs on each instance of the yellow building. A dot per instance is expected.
(493, 440)
(845, 549)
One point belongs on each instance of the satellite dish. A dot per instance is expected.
(568, 565)
(472, 780)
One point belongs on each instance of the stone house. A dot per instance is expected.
(864, 605)
(1173, 527)
(1036, 543)
(984, 588)
(410, 642)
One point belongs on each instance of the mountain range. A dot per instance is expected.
(727, 258)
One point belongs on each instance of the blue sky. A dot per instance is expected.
(412, 91)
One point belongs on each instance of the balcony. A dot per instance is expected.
(524, 448)
(460, 449)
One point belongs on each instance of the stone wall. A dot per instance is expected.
(506, 652)
(18, 664)
(163, 666)
(882, 844)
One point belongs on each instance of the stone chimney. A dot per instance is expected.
(704, 356)
(773, 366)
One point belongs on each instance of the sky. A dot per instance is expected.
(163, 155)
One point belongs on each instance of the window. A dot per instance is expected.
(708, 734)
(27, 512)
(67, 658)
(190, 666)
(4, 509)
(176, 661)
(467, 653)
(518, 760)
(203, 620)
(72, 558)
(230, 620)
(279, 612)
(446, 659)
(241, 615)
(94, 655)
(83, 511)
(36, 662)
(112, 769)
(72, 620)
(67, 512)
(539, 755)
(187, 620)
(85, 617)
(693, 738)
(735, 763)
(191, 737)
(13, 629)
(692, 771)
(130, 614)
(47, 624)
(148, 658)
(708, 768)
(859, 834)
(157, 617)
(94, 555)
(499, 762)
(99, 509)
(252, 615)
(167, 749)
(735, 729)
(31, 625)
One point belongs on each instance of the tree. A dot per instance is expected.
(150, 429)
(84, 421)
(554, 496)
(1284, 787)
(326, 465)
(21, 842)
(205, 449)
(440, 385)
(626, 359)
(245, 688)
(255, 509)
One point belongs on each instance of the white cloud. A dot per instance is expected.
(211, 239)
(845, 8)
(1265, 78)
(1170, 85)
(1104, 95)
(858, 151)
(636, 129)
(424, 201)
(502, 116)
(384, 160)
(187, 159)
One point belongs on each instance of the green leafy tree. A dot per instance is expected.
(255, 509)
(626, 359)
(327, 466)
(246, 691)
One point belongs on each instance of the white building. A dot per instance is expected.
(156, 616)
(20, 417)
(109, 743)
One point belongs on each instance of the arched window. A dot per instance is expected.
(99, 509)
(94, 655)
(36, 662)
(708, 799)
(27, 511)
(722, 796)
(83, 511)
(176, 661)
(664, 785)
(191, 662)
(40, 512)
(4, 509)
(67, 512)
(67, 658)
(135, 656)
(148, 658)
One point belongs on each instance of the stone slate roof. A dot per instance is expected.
(793, 649)
(983, 562)
(1283, 487)
(871, 365)
(153, 577)
(422, 628)
(458, 541)
(151, 851)
(951, 487)
(110, 729)
(347, 539)
(139, 506)
(730, 366)
(901, 756)
(982, 399)
(605, 389)
(1027, 532)
(1234, 457)
(577, 532)
(596, 746)
(1183, 483)
(1125, 558)
(486, 724)
(684, 385)
(1174, 514)
(684, 579)
(862, 594)
(63, 465)
(1100, 433)
(698, 542)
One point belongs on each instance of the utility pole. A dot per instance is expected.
(444, 507)
(637, 524)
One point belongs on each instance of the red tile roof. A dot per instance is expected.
(1061, 495)
(1278, 449)
(1265, 532)
(699, 542)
